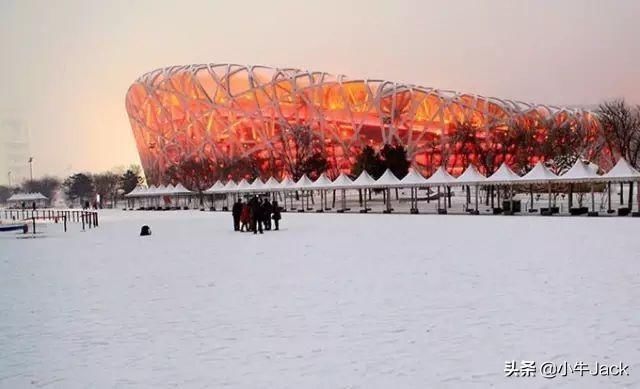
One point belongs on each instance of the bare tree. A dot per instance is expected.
(47, 186)
(620, 126)
(195, 173)
(465, 142)
(564, 144)
(106, 185)
(301, 151)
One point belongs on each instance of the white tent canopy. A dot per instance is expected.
(272, 184)
(303, 183)
(622, 171)
(160, 190)
(412, 179)
(471, 176)
(539, 175)
(287, 183)
(257, 185)
(151, 190)
(229, 187)
(215, 188)
(504, 175)
(342, 182)
(180, 190)
(169, 190)
(322, 182)
(364, 180)
(243, 186)
(34, 196)
(441, 177)
(579, 172)
(387, 180)
(138, 191)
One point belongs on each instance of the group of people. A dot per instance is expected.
(256, 215)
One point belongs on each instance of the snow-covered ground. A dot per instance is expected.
(330, 301)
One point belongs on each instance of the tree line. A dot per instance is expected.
(80, 188)
(520, 143)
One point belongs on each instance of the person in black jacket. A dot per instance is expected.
(256, 215)
(266, 214)
(276, 215)
(236, 211)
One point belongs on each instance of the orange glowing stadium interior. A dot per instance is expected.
(221, 113)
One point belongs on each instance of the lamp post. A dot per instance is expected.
(31, 168)
(9, 176)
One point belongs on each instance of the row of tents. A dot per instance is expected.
(580, 172)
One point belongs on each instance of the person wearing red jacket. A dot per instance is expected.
(245, 218)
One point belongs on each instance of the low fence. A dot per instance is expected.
(88, 219)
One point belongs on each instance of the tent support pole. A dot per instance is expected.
(365, 200)
(609, 196)
(593, 199)
(531, 195)
(621, 194)
(511, 197)
(570, 196)
(476, 197)
(388, 200)
(413, 198)
(324, 205)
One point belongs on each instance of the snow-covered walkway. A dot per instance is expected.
(331, 301)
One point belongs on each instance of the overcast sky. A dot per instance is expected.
(66, 65)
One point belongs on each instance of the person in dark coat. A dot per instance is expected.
(236, 211)
(256, 215)
(266, 214)
(276, 215)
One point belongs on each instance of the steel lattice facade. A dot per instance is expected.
(222, 112)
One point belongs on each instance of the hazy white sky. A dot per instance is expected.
(66, 65)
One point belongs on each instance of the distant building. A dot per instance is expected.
(15, 151)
